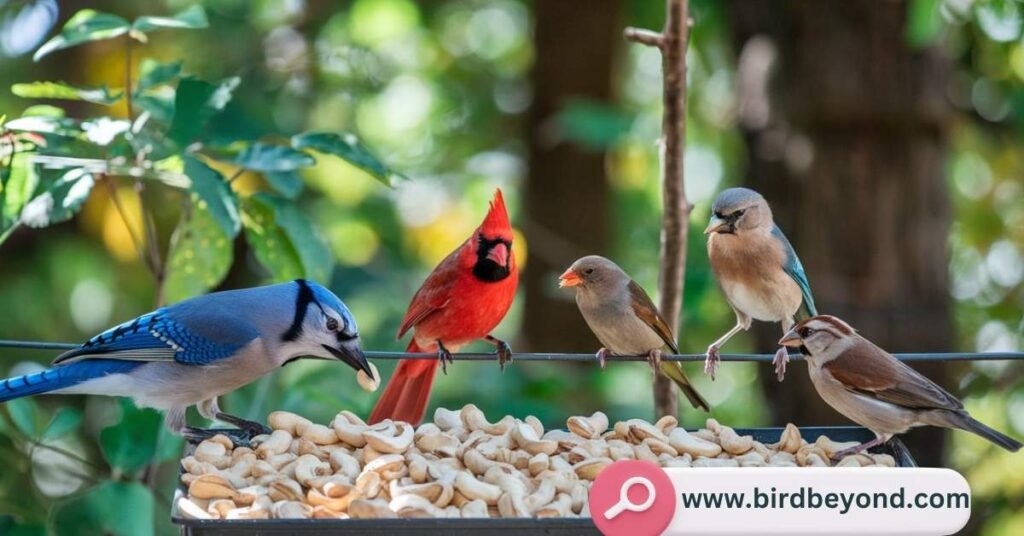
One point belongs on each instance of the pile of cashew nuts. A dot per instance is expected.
(459, 465)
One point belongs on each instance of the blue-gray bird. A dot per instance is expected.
(755, 265)
(192, 352)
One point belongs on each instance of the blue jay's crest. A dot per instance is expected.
(311, 292)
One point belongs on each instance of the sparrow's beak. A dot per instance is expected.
(715, 224)
(791, 339)
(499, 254)
(569, 279)
(351, 355)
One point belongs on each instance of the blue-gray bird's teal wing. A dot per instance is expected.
(795, 270)
(164, 335)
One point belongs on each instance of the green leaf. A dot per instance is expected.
(284, 239)
(266, 157)
(131, 443)
(61, 201)
(43, 110)
(194, 103)
(924, 22)
(24, 414)
(215, 193)
(153, 73)
(18, 189)
(191, 19)
(287, 183)
(348, 148)
(85, 26)
(200, 256)
(118, 508)
(60, 90)
(64, 421)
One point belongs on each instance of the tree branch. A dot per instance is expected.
(672, 42)
(644, 37)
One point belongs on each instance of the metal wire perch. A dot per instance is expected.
(556, 357)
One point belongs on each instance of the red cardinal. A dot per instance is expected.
(464, 298)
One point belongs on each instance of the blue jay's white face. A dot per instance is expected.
(323, 327)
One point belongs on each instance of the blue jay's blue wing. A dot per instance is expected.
(196, 332)
(795, 270)
(56, 378)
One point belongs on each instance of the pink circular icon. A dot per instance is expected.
(632, 498)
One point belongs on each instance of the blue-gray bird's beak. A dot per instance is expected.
(715, 224)
(352, 356)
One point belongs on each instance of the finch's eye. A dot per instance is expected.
(332, 324)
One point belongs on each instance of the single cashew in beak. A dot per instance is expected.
(349, 428)
(367, 383)
(370, 509)
(683, 441)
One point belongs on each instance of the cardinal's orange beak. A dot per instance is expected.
(569, 279)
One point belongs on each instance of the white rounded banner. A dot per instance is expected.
(835, 501)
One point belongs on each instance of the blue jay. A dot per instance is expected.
(757, 269)
(196, 350)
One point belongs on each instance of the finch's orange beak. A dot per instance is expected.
(569, 279)
(791, 338)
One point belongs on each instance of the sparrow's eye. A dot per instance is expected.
(588, 271)
(806, 332)
(332, 324)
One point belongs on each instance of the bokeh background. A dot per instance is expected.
(886, 136)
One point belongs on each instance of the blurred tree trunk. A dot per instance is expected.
(566, 194)
(845, 133)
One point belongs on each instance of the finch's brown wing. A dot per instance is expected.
(867, 369)
(645, 309)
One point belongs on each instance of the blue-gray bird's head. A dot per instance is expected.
(737, 210)
(324, 327)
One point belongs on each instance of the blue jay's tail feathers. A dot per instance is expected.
(61, 377)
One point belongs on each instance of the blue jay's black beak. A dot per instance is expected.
(352, 356)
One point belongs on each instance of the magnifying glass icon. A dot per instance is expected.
(624, 502)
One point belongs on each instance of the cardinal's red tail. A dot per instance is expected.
(407, 393)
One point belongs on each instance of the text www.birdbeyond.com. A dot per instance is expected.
(808, 498)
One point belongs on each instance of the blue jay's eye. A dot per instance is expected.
(332, 324)
(738, 213)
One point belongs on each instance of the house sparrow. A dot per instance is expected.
(874, 389)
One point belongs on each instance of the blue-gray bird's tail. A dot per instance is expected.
(61, 377)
